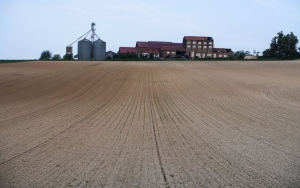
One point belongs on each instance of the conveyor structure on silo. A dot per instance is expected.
(91, 49)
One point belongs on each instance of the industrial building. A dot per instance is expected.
(191, 46)
(89, 49)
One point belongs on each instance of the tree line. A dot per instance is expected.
(47, 55)
(281, 47)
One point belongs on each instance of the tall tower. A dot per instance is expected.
(93, 29)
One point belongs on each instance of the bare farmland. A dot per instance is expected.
(150, 124)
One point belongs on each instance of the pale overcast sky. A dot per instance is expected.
(29, 27)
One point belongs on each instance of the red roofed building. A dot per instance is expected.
(124, 50)
(192, 46)
(155, 46)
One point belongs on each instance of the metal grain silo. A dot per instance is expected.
(84, 50)
(99, 50)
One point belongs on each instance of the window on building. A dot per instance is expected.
(199, 46)
(192, 54)
(208, 55)
(168, 52)
(225, 55)
(173, 53)
(204, 42)
(203, 55)
(194, 42)
(210, 47)
(199, 42)
(204, 46)
(188, 46)
(210, 42)
(188, 42)
(220, 55)
(194, 46)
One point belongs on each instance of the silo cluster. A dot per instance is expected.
(88, 50)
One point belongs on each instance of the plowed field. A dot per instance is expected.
(150, 124)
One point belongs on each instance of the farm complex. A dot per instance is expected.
(150, 124)
(192, 47)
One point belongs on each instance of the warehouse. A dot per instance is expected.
(154, 47)
(222, 52)
(191, 47)
(171, 51)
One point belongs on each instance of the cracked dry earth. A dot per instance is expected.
(150, 124)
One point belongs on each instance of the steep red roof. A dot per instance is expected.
(155, 44)
(123, 50)
(197, 38)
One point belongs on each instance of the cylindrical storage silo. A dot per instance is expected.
(99, 50)
(84, 50)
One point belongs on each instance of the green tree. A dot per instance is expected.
(151, 56)
(68, 57)
(56, 57)
(283, 47)
(116, 56)
(46, 55)
(240, 54)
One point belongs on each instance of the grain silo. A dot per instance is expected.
(90, 49)
(85, 49)
(99, 50)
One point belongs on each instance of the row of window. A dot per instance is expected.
(208, 55)
(199, 42)
(194, 46)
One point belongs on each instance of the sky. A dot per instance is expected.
(29, 27)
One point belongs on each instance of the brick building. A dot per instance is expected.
(200, 47)
(157, 48)
(191, 46)
(203, 47)
(171, 51)
(222, 52)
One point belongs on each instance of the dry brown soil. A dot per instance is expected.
(150, 124)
